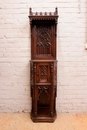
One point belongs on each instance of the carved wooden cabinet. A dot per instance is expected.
(43, 65)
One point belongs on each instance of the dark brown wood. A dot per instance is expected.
(43, 66)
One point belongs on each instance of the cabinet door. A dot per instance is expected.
(43, 73)
(43, 40)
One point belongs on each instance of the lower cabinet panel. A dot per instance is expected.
(43, 91)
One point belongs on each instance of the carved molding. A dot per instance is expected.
(43, 15)
(31, 73)
(31, 77)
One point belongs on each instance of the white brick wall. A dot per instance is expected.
(15, 54)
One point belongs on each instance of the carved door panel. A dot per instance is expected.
(43, 73)
(43, 41)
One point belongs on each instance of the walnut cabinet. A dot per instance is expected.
(43, 65)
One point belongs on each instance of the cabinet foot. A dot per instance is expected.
(43, 118)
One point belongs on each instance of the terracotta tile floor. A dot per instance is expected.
(22, 121)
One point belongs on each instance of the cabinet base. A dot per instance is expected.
(43, 118)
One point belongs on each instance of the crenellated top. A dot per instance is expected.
(43, 15)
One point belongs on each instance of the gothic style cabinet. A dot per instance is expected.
(43, 65)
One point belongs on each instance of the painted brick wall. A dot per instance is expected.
(15, 54)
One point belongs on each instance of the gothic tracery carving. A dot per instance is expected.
(45, 89)
(43, 73)
(43, 45)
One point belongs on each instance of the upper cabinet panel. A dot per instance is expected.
(43, 40)
(43, 35)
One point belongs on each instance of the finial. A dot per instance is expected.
(30, 11)
(56, 11)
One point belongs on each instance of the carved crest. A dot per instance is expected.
(43, 15)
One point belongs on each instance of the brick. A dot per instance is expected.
(15, 54)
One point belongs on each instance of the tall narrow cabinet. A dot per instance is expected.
(43, 65)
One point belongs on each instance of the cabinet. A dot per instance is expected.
(43, 65)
